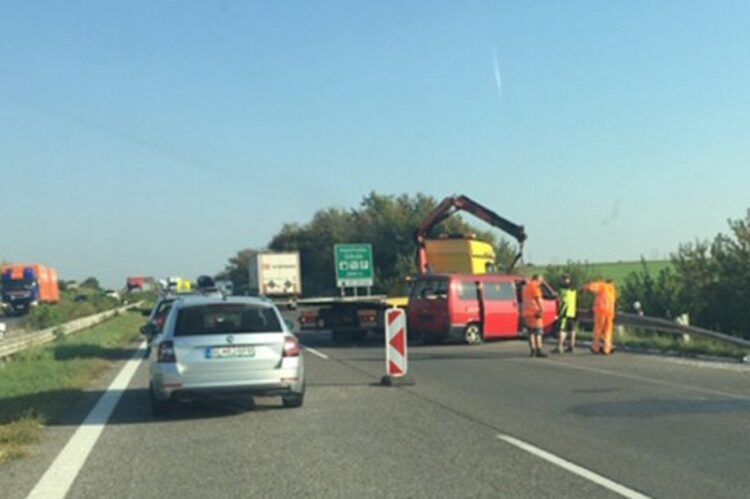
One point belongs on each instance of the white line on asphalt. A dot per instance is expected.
(654, 381)
(315, 352)
(574, 468)
(60, 476)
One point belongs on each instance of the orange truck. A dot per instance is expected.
(25, 285)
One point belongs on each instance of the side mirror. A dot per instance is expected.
(289, 324)
(148, 330)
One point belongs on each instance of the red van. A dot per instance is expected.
(472, 307)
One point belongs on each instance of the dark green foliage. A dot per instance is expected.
(237, 270)
(91, 283)
(710, 282)
(660, 295)
(73, 304)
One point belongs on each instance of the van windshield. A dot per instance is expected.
(226, 318)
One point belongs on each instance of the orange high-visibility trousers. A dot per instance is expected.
(607, 330)
(596, 346)
(603, 326)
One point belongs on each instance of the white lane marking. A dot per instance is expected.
(708, 364)
(315, 352)
(654, 381)
(574, 468)
(58, 479)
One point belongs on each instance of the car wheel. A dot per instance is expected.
(473, 334)
(158, 407)
(292, 400)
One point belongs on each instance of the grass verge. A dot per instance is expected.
(39, 384)
(674, 344)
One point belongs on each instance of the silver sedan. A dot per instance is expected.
(235, 346)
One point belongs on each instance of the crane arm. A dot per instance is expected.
(450, 206)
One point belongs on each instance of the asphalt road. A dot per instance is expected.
(656, 426)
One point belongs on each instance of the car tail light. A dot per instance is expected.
(166, 353)
(291, 347)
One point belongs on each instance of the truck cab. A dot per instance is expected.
(26, 285)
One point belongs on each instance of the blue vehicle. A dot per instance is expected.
(27, 285)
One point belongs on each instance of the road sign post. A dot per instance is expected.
(354, 265)
(396, 355)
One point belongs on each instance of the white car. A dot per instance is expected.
(237, 346)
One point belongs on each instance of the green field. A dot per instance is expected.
(614, 270)
(39, 384)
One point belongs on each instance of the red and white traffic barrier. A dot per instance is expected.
(396, 356)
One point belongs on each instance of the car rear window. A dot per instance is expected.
(226, 318)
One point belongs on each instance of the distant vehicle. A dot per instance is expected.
(156, 318)
(277, 276)
(179, 285)
(111, 293)
(472, 307)
(237, 346)
(134, 283)
(26, 285)
(226, 286)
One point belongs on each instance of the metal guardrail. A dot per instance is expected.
(667, 326)
(19, 343)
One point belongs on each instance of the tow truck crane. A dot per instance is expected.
(475, 257)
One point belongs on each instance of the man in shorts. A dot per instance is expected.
(568, 315)
(533, 311)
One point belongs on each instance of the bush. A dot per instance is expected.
(73, 304)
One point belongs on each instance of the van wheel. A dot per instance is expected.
(473, 334)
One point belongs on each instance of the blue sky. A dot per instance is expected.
(161, 137)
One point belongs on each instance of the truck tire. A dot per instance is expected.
(359, 336)
(473, 334)
(341, 337)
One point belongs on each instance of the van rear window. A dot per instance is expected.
(226, 318)
(427, 288)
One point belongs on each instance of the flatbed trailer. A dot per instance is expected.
(349, 318)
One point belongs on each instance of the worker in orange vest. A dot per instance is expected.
(604, 314)
(533, 311)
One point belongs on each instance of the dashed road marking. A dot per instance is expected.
(315, 352)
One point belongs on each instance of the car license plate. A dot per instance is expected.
(229, 352)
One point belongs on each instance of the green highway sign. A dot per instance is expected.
(354, 268)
